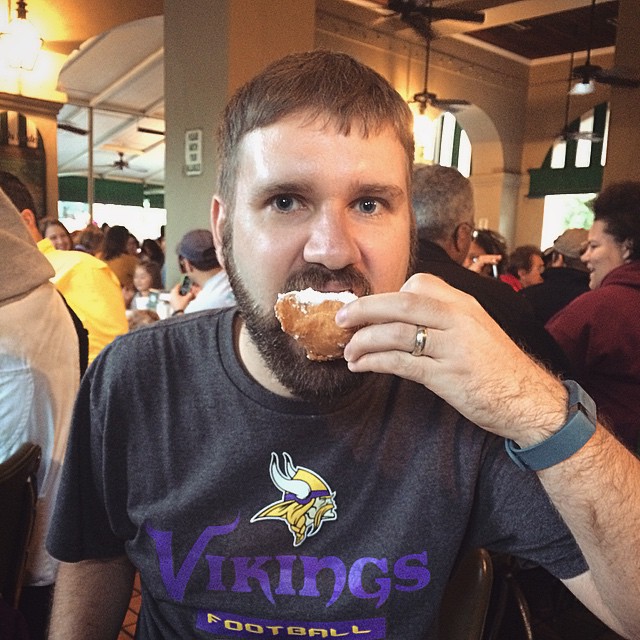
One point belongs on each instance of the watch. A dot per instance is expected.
(572, 436)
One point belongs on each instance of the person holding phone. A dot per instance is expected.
(205, 284)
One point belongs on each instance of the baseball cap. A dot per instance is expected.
(570, 244)
(197, 247)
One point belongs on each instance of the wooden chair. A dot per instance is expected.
(466, 598)
(18, 495)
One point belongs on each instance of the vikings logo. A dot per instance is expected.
(306, 501)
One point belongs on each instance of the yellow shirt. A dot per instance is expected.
(92, 290)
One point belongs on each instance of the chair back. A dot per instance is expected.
(18, 495)
(466, 598)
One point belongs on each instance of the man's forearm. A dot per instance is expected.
(91, 599)
(597, 492)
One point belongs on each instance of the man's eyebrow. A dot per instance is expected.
(268, 189)
(377, 189)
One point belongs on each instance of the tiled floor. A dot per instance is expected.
(130, 620)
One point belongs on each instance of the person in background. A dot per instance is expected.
(198, 261)
(526, 266)
(161, 240)
(599, 330)
(141, 318)
(486, 254)
(60, 238)
(90, 240)
(565, 276)
(133, 246)
(443, 205)
(90, 288)
(150, 250)
(40, 368)
(252, 486)
(147, 278)
(115, 254)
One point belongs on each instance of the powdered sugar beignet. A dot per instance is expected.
(309, 316)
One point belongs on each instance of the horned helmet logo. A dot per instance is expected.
(307, 501)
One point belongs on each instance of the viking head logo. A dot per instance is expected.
(307, 501)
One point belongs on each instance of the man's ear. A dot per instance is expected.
(462, 236)
(29, 218)
(218, 220)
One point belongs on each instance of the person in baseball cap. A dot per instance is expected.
(564, 278)
(206, 285)
(197, 247)
(569, 246)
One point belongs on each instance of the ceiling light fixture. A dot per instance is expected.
(20, 44)
(583, 87)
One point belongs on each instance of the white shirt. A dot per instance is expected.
(215, 294)
(39, 379)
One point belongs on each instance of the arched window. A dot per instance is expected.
(571, 174)
(574, 164)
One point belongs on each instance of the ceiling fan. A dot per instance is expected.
(572, 131)
(119, 165)
(589, 73)
(426, 98)
(415, 13)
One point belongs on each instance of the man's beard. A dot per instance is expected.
(309, 380)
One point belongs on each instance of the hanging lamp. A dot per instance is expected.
(20, 44)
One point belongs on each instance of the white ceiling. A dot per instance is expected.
(114, 104)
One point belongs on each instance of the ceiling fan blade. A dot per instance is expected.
(616, 77)
(452, 104)
(407, 7)
(591, 136)
(613, 76)
(71, 128)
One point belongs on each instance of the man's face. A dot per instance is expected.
(534, 274)
(313, 208)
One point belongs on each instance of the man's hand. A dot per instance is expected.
(486, 259)
(467, 359)
(473, 365)
(179, 302)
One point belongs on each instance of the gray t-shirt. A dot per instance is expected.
(253, 515)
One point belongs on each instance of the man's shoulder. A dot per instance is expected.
(161, 340)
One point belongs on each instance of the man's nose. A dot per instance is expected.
(332, 240)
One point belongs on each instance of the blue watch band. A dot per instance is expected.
(573, 435)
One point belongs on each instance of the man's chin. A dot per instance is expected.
(309, 380)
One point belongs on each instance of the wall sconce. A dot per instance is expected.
(20, 44)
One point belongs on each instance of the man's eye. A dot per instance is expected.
(368, 205)
(285, 203)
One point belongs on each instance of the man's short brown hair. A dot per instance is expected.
(322, 85)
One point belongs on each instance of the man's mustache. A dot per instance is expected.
(318, 277)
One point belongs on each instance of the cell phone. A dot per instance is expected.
(494, 270)
(185, 287)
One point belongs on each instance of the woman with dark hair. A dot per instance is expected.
(151, 251)
(599, 330)
(60, 237)
(115, 254)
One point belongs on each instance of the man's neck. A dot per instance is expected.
(252, 361)
(202, 277)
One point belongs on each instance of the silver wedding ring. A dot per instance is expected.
(420, 342)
